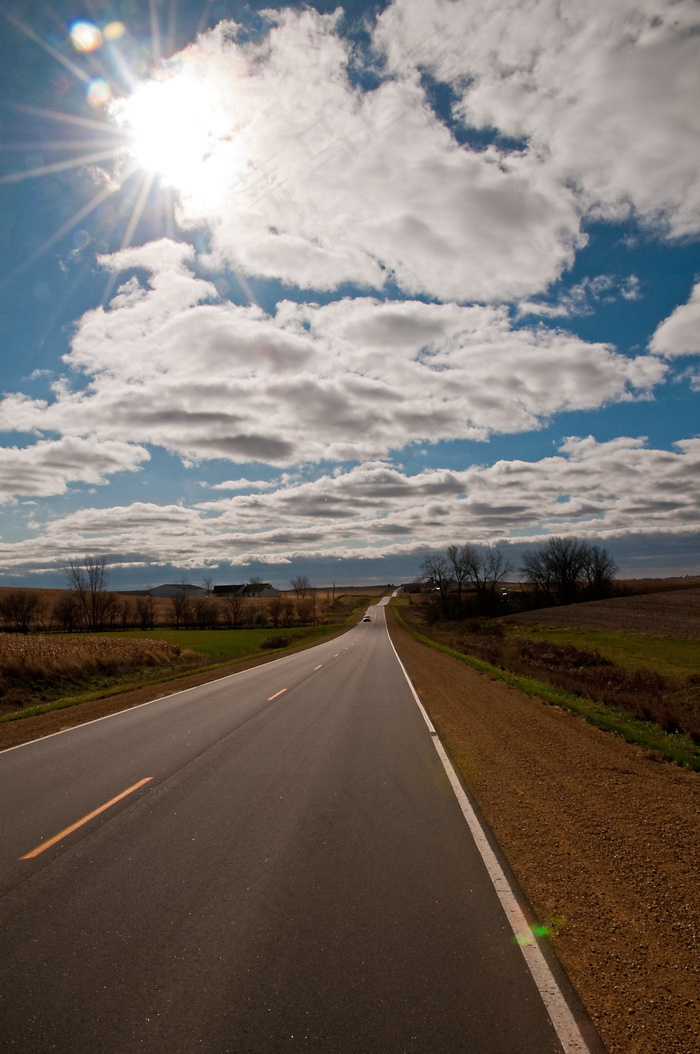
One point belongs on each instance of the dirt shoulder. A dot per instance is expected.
(597, 833)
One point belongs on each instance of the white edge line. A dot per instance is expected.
(149, 702)
(552, 996)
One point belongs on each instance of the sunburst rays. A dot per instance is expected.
(102, 147)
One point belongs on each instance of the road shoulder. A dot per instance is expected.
(604, 840)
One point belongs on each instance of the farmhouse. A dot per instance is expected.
(247, 589)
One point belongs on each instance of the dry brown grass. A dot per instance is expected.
(39, 668)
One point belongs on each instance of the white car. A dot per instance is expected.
(366, 619)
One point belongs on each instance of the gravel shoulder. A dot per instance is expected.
(598, 834)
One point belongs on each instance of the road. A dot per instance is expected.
(289, 870)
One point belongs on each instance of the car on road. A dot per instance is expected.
(366, 619)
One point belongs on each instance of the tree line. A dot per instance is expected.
(87, 605)
(469, 579)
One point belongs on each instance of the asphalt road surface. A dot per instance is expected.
(295, 874)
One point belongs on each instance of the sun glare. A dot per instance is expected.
(178, 131)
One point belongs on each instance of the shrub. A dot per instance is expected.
(275, 642)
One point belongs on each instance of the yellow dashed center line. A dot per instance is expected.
(270, 698)
(79, 823)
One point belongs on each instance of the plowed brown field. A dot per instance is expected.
(675, 614)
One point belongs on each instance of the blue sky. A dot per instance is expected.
(296, 289)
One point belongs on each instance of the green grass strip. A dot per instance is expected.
(674, 746)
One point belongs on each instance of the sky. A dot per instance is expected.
(304, 289)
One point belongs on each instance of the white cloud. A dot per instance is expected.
(315, 182)
(679, 334)
(352, 380)
(589, 489)
(605, 94)
(48, 466)
(330, 184)
(241, 484)
(582, 298)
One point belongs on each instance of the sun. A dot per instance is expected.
(179, 131)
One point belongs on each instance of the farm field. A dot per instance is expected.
(674, 657)
(674, 612)
(630, 664)
(226, 645)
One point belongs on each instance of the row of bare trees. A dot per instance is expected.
(87, 605)
(23, 610)
(566, 570)
(468, 579)
(236, 612)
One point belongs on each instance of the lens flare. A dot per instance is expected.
(549, 928)
(99, 92)
(114, 31)
(85, 36)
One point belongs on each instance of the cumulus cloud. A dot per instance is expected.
(605, 95)
(588, 109)
(349, 381)
(49, 465)
(590, 489)
(679, 334)
(319, 183)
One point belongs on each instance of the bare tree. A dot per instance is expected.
(274, 610)
(600, 571)
(18, 610)
(305, 610)
(205, 612)
(462, 560)
(234, 606)
(489, 568)
(563, 567)
(301, 585)
(126, 612)
(87, 580)
(145, 612)
(67, 612)
(435, 570)
(182, 605)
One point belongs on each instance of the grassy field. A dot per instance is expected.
(672, 657)
(227, 645)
